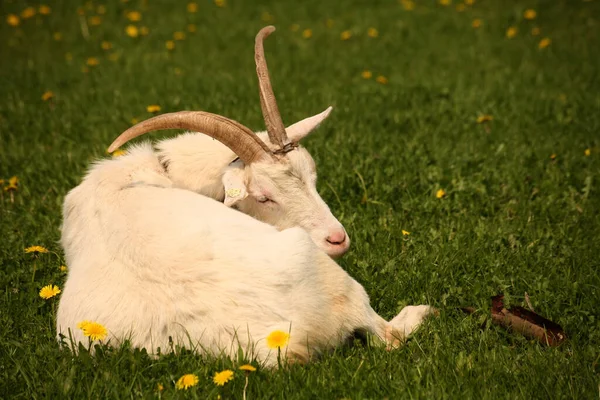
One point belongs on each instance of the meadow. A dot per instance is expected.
(462, 156)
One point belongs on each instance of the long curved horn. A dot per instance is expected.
(241, 140)
(273, 121)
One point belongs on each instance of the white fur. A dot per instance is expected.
(150, 260)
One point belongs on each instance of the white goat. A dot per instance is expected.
(154, 262)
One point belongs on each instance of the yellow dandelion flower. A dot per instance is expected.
(10, 188)
(134, 121)
(511, 32)
(57, 36)
(101, 9)
(587, 152)
(36, 249)
(294, 27)
(132, 31)
(153, 108)
(191, 28)
(118, 153)
(535, 31)
(248, 368)
(28, 13)
(95, 20)
(460, 7)
(160, 387)
(405, 233)
(484, 118)
(44, 9)
(92, 61)
(469, 2)
(49, 291)
(267, 16)
(553, 156)
(186, 381)
(63, 268)
(345, 35)
(106, 45)
(307, 33)
(220, 3)
(179, 35)
(221, 378)
(408, 5)
(366, 74)
(192, 7)
(13, 20)
(14, 181)
(144, 31)
(476, 23)
(372, 32)
(277, 339)
(134, 16)
(445, 2)
(94, 331)
(440, 193)
(329, 23)
(83, 324)
(529, 14)
(382, 79)
(47, 95)
(170, 45)
(545, 42)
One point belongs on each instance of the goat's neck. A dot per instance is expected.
(196, 162)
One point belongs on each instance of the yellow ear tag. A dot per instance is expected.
(233, 192)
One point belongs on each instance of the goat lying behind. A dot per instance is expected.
(153, 262)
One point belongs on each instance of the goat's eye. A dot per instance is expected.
(263, 199)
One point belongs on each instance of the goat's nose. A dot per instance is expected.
(337, 237)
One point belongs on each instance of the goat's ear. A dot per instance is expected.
(300, 129)
(234, 183)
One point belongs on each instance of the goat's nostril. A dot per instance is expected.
(336, 238)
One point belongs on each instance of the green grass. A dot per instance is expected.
(513, 220)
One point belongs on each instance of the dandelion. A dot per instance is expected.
(63, 268)
(221, 378)
(28, 13)
(144, 31)
(382, 79)
(95, 20)
(484, 118)
(93, 330)
(267, 16)
(277, 339)
(220, 3)
(132, 31)
(307, 33)
(106, 45)
(179, 35)
(153, 108)
(553, 157)
(47, 95)
(529, 14)
(49, 291)
(134, 16)
(460, 7)
(101, 9)
(57, 36)
(372, 32)
(192, 7)
(366, 74)
(587, 152)
(36, 250)
(405, 233)
(545, 42)
(118, 153)
(170, 45)
(248, 368)
(408, 5)
(44, 9)
(476, 23)
(511, 32)
(186, 381)
(160, 387)
(440, 193)
(191, 28)
(535, 31)
(92, 61)
(13, 20)
(445, 2)
(294, 27)
(345, 35)
(134, 121)
(82, 324)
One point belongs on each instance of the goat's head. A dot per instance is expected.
(273, 179)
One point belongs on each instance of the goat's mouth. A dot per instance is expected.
(336, 248)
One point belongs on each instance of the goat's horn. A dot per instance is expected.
(273, 121)
(241, 140)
